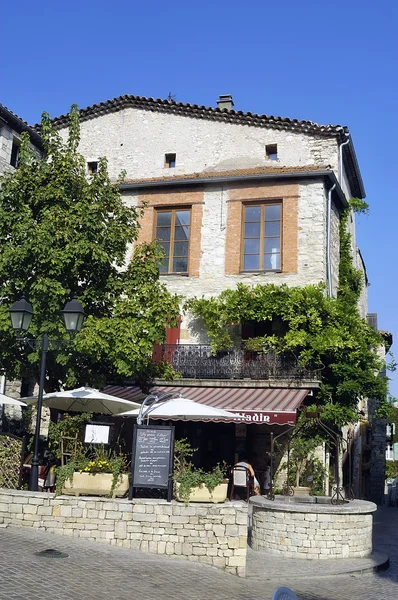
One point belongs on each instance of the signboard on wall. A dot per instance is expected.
(152, 458)
(97, 434)
(269, 418)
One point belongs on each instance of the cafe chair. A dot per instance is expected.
(284, 593)
(241, 478)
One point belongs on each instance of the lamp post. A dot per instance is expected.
(21, 313)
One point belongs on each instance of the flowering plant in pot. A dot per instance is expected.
(100, 472)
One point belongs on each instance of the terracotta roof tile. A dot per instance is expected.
(202, 112)
(250, 172)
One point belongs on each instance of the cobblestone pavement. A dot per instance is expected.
(94, 571)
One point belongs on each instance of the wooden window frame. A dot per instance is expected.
(174, 210)
(262, 204)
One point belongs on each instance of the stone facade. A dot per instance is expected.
(215, 245)
(11, 127)
(213, 534)
(137, 141)
(313, 531)
(6, 138)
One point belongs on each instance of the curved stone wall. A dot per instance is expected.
(310, 530)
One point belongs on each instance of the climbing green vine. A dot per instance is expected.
(323, 333)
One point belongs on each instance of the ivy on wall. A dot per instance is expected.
(322, 332)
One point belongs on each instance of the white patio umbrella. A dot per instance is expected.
(183, 409)
(8, 400)
(85, 399)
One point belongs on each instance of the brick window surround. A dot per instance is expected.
(172, 229)
(174, 199)
(246, 194)
(261, 236)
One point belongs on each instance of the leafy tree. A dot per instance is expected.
(64, 234)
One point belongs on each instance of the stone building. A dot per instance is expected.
(11, 127)
(234, 197)
(214, 163)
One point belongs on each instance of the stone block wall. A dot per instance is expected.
(213, 534)
(314, 532)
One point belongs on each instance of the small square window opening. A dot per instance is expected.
(271, 152)
(15, 152)
(92, 167)
(170, 161)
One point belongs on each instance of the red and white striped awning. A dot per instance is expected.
(256, 405)
(127, 392)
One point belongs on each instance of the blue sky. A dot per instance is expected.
(332, 62)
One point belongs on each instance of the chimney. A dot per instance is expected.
(225, 102)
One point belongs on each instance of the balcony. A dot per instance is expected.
(195, 361)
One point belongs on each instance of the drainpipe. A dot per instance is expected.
(341, 158)
(328, 239)
(2, 391)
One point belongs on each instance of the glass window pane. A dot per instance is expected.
(251, 262)
(164, 218)
(163, 233)
(252, 246)
(272, 228)
(272, 244)
(181, 233)
(166, 247)
(272, 261)
(180, 265)
(183, 217)
(181, 249)
(273, 213)
(252, 213)
(164, 267)
(252, 229)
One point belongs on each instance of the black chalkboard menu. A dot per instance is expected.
(152, 458)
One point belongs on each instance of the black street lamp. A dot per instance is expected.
(21, 313)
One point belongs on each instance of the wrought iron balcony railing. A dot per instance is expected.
(195, 361)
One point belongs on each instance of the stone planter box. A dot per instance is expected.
(202, 494)
(302, 491)
(95, 484)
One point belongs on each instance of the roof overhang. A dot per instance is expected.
(18, 125)
(352, 170)
(323, 174)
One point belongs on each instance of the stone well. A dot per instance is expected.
(312, 528)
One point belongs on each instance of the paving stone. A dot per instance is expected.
(94, 571)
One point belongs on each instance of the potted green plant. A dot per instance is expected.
(95, 471)
(196, 485)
